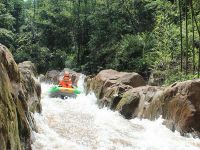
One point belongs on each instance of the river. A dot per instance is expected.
(78, 124)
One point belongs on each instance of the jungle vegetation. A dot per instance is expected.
(143, 36)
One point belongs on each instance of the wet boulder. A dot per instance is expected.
(109, 85)
(31, 85)
(28, 66)
(178, 104)
(41, 78)
(16, 121)
(135, 101)
(181, 106)
(107, 78)
(10, 76)
(52, 76)
(113, 95)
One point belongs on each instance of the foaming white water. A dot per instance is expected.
(78, 124)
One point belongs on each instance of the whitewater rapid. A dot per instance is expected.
(78, 124)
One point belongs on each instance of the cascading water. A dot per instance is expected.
(78, 124)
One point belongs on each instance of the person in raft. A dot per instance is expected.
(66, 81)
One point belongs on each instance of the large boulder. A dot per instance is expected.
(112, 95)
(109, 85)
(31, 85)
(135, 101)
(16, 121)
(41, 78)
(181, 106)
(54, 76)
(178, 104)
(28, 67)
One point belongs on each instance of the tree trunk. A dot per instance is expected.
(33, 22)
(186, 40)
(198, 30)
(78, 35)
(181, 36)
(193, 52)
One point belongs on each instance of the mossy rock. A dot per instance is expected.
(128, 104)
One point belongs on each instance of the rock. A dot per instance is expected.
(169, 124)
(88, 84)
(28, 66)
(113, 95)
(42, 78)
(109, 85)
(178, 104)
(182, 105)
(52, 76)
(68, 70)
(31, 86)
(133, 79)
(16, 121)
(75, 78)
(9, 131)
(135, 101)
(128, 104)
(107, 78)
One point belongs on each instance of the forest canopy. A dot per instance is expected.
(143, 36)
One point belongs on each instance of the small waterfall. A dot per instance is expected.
(78, 124)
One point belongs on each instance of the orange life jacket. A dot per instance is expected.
(67, 84)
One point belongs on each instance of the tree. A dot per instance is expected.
(6, 26)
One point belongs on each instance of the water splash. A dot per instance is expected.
(78, 124)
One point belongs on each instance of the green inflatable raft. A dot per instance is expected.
(62, 92)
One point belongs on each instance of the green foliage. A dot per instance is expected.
(70, 61)
(11, 18)
(129, 55)
(178, 77)
(127, 35)
(7, 38)
(6, 21)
